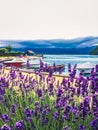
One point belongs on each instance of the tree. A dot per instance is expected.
(2, 51)
(9, 48)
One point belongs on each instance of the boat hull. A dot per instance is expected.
(14, 64)
(55, 68)
(86, 67)
(86, 71)
(32, 66)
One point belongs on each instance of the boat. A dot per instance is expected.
(16, 62)
(55, 68)
(23, 62)
(4, 60)
(86, 67)
(31, 64)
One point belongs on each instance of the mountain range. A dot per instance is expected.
(82, 45)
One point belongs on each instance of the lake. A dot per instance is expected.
(72, 59)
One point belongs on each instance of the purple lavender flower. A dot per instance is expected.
(45, 121)
(69, 68)
(50, 72)
(81, 127)
(66, 128)
(41, 63)
(13, 74)
(28, 64)
(36, 103)
(5, 118)
(39, 92)
(5, 127)
(75, 66)
(67, 108)
(44, 112)
(51, 86)
(55, 115)
(27, 112)
(64, 81)
(19, 125)
(12, 109)
(94, 124)
(1, 97)
(2, 91)
(29, 119)
(59, 92)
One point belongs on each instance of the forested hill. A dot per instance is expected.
(94, 51)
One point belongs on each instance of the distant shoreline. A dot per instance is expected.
(57, 51)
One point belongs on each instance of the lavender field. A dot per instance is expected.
(38, 102)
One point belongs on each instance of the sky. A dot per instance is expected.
(48, 19)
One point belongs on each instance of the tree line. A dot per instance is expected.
(8, 51)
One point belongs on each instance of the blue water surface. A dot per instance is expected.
(72, 59)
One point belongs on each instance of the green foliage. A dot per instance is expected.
(2, 51)
(9, 48)
(95, 51)
(7, 51)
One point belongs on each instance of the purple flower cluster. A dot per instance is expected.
(5, 118)
(5, 127)
(44, 67)
(19, 125)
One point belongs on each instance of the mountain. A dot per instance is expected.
(56, 46)
(95, 51)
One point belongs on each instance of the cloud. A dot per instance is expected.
(14, 44)
(56, 43)
(91, 43)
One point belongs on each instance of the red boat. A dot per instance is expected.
(15, 63)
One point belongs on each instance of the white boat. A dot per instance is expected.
(34, 63)
(86, 67)
(31, 63)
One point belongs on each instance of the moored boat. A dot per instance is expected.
(31, 64)
(55, 68)
(86, 67)
(23, 62)
(15, 63)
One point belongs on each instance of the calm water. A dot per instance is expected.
(73, 59)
